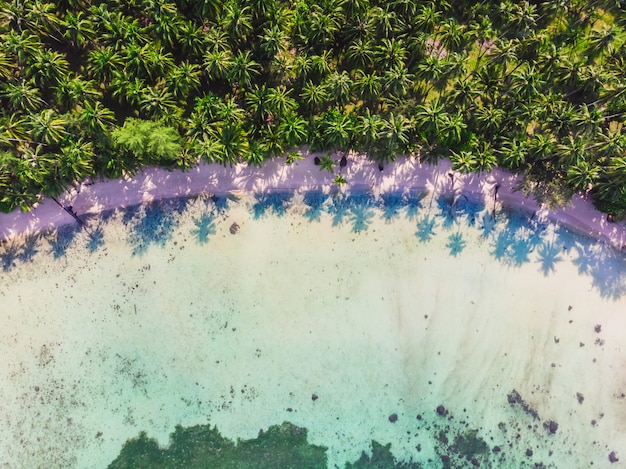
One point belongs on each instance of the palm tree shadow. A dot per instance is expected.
(339, 208)
(501, 244)
(62, 238)
(276, 201)
(468, 207)
(29, 249)
(314, 200)
(360, 206)
(488, 225)
(456, 244)
(220, 203)
(447, 211)
(9, 256)
(391, 205)
(605, 265)
(549, 254)
(413, 205)
(96, 240)
(425, 228)
(205, 227)
(155, 224)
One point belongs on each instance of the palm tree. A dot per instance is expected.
(235, 144)
(339, 86)
(23, 96)
(398, 81)
(337, 129)
(157, 102)
(369, 131)
(315, 96)
(368, 85)
(396, 132)
(257, 100)
(243, 69)
(273, 41)
(75, 161)
(14, 131)
(428, 119)
(22, 46)
(104, 64)
(191, 40)
(77, 29)
(71, 91)
(47, 127)
(582, 175)
(96, 118)
(48, 67)
(279, 101)
(184, 79)
(237, 21)
(390, 53)
(428, 17)
(294, 129)
(218, 63)
(361, 53)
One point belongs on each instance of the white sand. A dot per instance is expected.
(241, 328)
(406, 173)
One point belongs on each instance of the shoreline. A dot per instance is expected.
(406, 173)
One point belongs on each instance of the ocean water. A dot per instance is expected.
(450, 331)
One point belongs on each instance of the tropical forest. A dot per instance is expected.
(100, 89)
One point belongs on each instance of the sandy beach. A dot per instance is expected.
(361, 174)
(377, 309)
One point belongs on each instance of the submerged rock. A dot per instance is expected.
(551, 426)
(234, 228)
(613, 457)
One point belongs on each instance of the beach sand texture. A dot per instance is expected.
(380, 304)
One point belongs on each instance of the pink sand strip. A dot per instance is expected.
(361, 173)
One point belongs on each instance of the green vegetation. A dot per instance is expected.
(201, 447)
(102, 88)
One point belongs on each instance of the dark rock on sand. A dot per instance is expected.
(343, 162)
(317, 161)
(496, 449)
(529, 452)
(393, 418)
(551, 426)
(580, 398)
(314, 397)
(613, 457)
(234, 228)
(441, 410)
(514, 397)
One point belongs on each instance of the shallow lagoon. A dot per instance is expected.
(391, 305)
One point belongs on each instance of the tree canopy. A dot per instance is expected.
(102, 88)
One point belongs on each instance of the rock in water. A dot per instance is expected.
(234, 228)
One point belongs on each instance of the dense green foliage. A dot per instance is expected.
(104, 87)
(202, 447)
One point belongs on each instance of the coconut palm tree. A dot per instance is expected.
(294, 129)
(243, 69)
(47, 127)
(315, 96)
(23, 95)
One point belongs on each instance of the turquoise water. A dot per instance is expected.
(433, 325)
